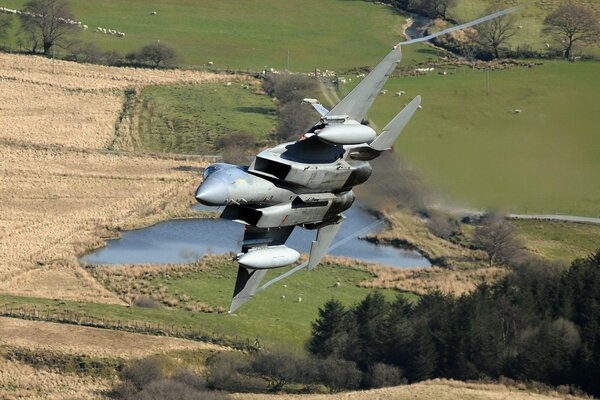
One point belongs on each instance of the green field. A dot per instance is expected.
(332, 34)
(269, 317)
(559, 241)
(473, 148)
(189, 118)
(530, 20)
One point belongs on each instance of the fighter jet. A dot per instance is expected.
(307, 183)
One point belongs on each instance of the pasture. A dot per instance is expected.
(274, 316)
(190, 118)
(476, 150)
(238, 34)
(529, 21)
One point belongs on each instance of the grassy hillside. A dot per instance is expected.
(474, 148)
(332, 34)
(189, 118)
(269, 317)
(530, 19)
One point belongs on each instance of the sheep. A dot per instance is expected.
(400, 93)
(228, 84)
(152, 12)
(420, 107)
(283, 296)
(284, 285)
(84, 27)
(210, 63)
(337, 284)
(517, 111)
(383, 91)
(547, 45)
(299, 299)
(520, 26)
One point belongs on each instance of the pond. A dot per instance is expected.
(186, 240)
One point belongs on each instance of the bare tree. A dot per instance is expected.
(159, 54)
(46, 20)
(432, 8)
(497, 237)
(496, 32)
(573, 23)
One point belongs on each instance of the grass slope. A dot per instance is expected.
(332, 34)
(530, 19)
(269, 317)
(559, 241)
(474, 148)
(188, 119)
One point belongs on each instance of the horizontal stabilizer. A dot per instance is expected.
(319, 247)
(317, 106)
(390, 133)
(245, 286)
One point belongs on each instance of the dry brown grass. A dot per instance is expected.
(60, 193)
(438, 389)
(426, 280)
(134, 282)
(72, 339)
(409, 230)
(21, 381)
(463, 268)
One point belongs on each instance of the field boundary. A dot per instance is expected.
(152, 329)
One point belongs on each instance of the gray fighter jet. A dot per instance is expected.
(306, 183)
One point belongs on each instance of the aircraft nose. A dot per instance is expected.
(212, 193)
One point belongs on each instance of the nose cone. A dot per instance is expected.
(212, 193)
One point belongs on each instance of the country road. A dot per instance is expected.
(552, 217)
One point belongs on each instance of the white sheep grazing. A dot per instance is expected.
(299, 299)
(383, 91)
(85, 27)
(210, 63)
(517, 111)
(337, 284)
(153, 13)
(400, 93)
(547, 45)
(283, 296)
(420, 107)
(520, 27)
(284, 285)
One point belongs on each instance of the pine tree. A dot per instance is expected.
(328, 329)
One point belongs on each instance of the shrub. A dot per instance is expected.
(146, 302)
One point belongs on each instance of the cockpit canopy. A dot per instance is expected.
(211, 169)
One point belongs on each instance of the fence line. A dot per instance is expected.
(144, 327)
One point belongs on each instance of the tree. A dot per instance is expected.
(495, 33)
(327, 328)
(158, 54)
(573, 23)
(45, 20)
(294, 120)
(339, 374)
(432, 8)
(496, 236)
(370, 315)
(5, 24)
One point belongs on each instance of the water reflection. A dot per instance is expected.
(182, 241)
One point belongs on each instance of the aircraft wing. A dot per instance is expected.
(247, 280)
(356, 104)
